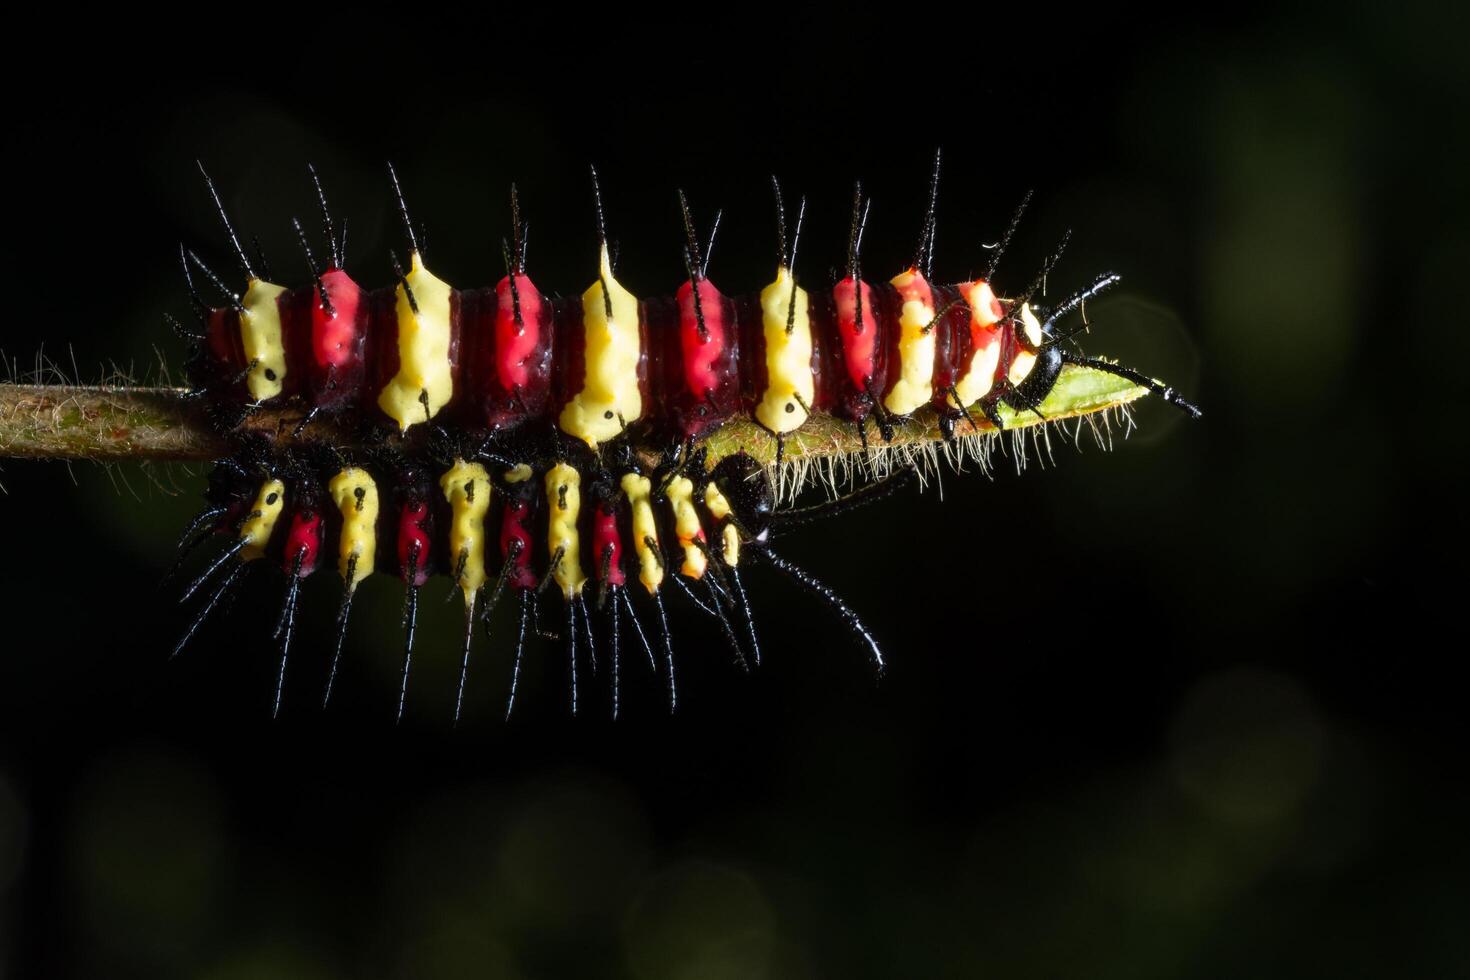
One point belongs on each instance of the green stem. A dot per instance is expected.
(132, 424)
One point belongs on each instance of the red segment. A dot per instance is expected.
(951, 345)
(325, 361)
(510, 369)
(605, 538)
(516, 338)
(982, 337)
(222, 334)
(915, 290)
(859, 333)
(413, 533)
(303, 540)
(224, 353)
(334, 338)
(513, 520)
(696, 378)
(382, 320)
(705, 368)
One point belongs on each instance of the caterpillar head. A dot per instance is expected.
(743, 482)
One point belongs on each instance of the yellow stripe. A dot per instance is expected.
(356, 496)
(978, 378)
(639, 491)
(424, 372)
(256, 531)
(609, 400)
(914, 386)
(467, 488)
(686, 525)
(1025, 360)
(789, 378)
(260, 336)
(719, 508)
(564, 497)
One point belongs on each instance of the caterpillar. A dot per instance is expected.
(524, 444)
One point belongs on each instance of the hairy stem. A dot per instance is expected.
(103, 423)
(117, 424)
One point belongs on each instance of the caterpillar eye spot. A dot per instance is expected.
(433, 388)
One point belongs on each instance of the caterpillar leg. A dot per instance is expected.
(668, 644)
(203, 614)
(572, 652)
(526, 597)
(233, 550)
(414, 556)
(622, 595)
(198, 531)
(410, 624)
(1165, 392)
(719, 609)
(484, 609)
(303, 547)
(464, 666)
(1099, 285)
(344, 610)
(744, 604)
(591, 638)
(815, 586)
(683, 587)
(285, 628)
(612, 615)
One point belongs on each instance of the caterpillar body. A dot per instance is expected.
(521, 443)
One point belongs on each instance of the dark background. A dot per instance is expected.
(1187, 708)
